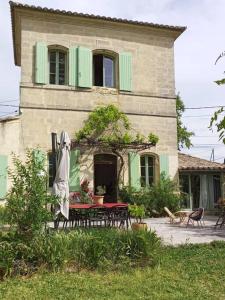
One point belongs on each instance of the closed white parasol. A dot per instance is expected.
(61, 182)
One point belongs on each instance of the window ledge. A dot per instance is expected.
(105, 90)
(97, 89)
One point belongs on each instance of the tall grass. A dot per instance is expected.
(107, 249)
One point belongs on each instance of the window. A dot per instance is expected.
(57, 67)
(103, 70)
(147, 170)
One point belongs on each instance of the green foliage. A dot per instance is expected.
(183, 135)
(108, 124)
(27, 200)
(218, 119)
(106, 117)
(6, 258)
(185, 272)
(152, 138)
(219, 123)
(3, 216)
(111, 127)
(220, 81)
(89, 249)
(155, 197)
(137, 212)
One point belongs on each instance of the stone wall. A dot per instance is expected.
(50, 108)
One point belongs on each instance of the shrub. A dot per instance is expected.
(3, 217)
(7, 257)
(155, 197)
(28, 198)
(90, 249)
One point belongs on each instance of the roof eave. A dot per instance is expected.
(15, 5)
(202, 169)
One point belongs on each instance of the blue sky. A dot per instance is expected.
(195, 53)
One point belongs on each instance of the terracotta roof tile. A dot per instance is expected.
(188, 162)
(70, 13)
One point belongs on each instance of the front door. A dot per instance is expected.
(105, 172)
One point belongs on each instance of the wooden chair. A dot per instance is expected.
(173, 218)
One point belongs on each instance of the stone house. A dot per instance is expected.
(71, 63)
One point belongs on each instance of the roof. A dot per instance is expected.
(9, 118)
(191, 163)
(16, 5)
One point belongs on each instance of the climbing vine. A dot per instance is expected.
(109, 128)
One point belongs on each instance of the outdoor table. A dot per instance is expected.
(108, 214)
(104, 205)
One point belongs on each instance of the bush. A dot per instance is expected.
(3, 217)
(155, 197)
(27, 200)
(107, 249)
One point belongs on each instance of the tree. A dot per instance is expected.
(218, 119)
(109, 128)
(183, 135)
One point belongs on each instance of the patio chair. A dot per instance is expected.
(197, 216)
(173, 218)
(119, 217)
(98, 217)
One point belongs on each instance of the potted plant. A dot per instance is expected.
(138, 212)
(99, 197)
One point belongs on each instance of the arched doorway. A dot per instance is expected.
(105, 172)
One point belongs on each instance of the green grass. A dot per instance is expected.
(186, 272)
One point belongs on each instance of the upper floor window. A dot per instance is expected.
(57, 67)
(104, 70)
(76, 66)
(147, 170)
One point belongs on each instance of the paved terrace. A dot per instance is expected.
(180, 234)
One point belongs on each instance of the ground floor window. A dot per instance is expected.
(200, 190)
(147, 164)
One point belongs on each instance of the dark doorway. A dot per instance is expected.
(105, 172)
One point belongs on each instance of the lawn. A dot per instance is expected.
(185, 272)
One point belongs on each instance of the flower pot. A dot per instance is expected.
(98, 199)
(139, 226)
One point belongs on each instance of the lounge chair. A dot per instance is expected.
(197, 216)
(173, 218)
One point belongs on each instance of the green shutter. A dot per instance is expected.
(84, 67)
(74, 182)
(164, 164)
(125, 71)
(40, 157)
(3, 175)
(134, 170)
(41, 63)
(73, 66)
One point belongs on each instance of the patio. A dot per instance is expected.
(175, 234)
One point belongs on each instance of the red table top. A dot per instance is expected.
(104, 205)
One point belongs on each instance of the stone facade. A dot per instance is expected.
(53, 108)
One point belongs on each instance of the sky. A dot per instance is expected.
(195, 53)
